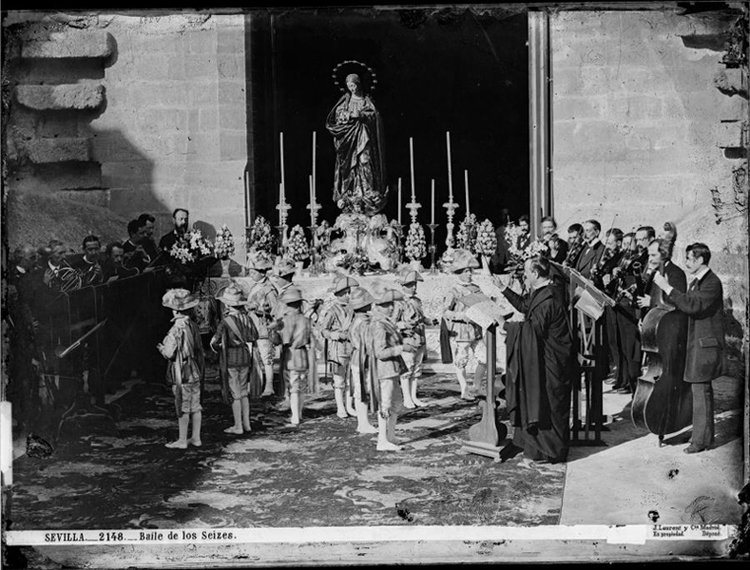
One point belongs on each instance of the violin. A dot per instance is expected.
(662, 402)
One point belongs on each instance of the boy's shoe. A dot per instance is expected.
(234, 430)
(177, 445)
(195, 442)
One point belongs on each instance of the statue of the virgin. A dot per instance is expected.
(356, 127)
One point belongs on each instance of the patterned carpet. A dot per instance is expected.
(320, 474)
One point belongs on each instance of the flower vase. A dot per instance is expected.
(225, 267)
(485, 265)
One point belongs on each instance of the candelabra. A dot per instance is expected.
(314, 254)
(432, 248)
(283, 228)
(450, 208)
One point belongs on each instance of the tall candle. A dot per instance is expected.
(312, 194)
(411, 160)
(450, 168)
(399, 200)
(466, 184)
(432, 203)
(313, 168)
(281, 145)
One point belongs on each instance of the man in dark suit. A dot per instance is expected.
(88, 264)
(593, 249)
(135, 254)
(113, 264)
(704, 304)
(549, 231)
(575, 245)
(149, 243)
(180, 217)
(659, 261)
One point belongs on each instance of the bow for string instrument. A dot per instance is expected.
(623, 283)
(598, 271)
(662, 402)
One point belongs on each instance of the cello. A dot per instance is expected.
(662, 402)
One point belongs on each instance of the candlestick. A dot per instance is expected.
(450, 208)
(432, 203)
(314, 147)
(411, 161)
(450, 168)
(466, 185)
(281, 145)
(399, 201)
(432, 248)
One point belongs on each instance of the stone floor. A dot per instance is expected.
(324, 474)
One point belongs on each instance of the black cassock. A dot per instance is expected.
(540, 368)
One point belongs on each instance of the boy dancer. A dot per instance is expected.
(182, 346)
(386, 348)
(233, 338)
(467, 335)
(411, 321)
(294, 332)
(334, 326)
(261, 300)
(360, 302)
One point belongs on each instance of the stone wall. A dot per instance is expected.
(133, 113)
(174, 132)
(642, 131)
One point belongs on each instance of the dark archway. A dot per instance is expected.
(457, 70)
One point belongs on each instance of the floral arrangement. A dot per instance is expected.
(224, 243)
(356, 262)
(536, 247)
(486, 239)
(297, 247)
(260, 237)
(467, 233)
(416, 244)
(512, 233)
(191, 247)
(323, 233)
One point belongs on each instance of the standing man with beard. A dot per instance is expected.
(541, 366)
(181, 218)
(592, 250)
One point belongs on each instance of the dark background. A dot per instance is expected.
(453, 69)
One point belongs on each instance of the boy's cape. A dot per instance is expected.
(256, 374)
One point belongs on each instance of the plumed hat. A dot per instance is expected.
(463, 259)
(360, 298)
(285, 268)
(344, 282)
(179, 299)
(232, 296)
(410, 277)
(290, 295)
(258, 261)
(390, 296)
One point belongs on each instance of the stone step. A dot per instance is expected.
(64, 45)
(83, 96)
(52, 150)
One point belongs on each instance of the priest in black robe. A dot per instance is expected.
(540, 366)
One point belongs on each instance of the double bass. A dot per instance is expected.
(662, 402)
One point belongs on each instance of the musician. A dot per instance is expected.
(59, 276)
(601, 275)
(625, 279)
(149, 243)
(659, 260)
(575, 245)
(703, 302)
(549, 232)
(592, 250)
(113, 263)
(500, 258)
(180, 218)
(89, 264)
(26, 275)
(135, 254)
(539, 389)
(524, 238)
